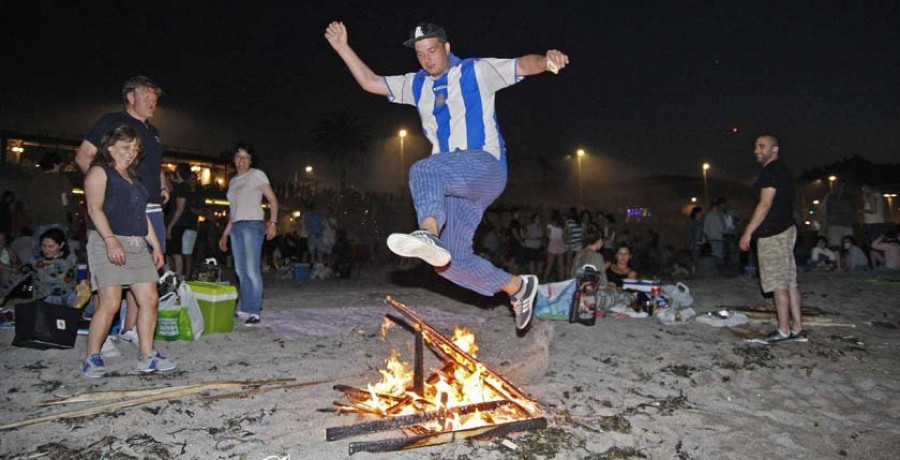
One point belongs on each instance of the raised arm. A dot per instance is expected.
(336, 34)
(533, 64)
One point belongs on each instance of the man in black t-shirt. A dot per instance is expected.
(773, 226)
(140, 96)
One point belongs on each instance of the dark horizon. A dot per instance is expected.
(650, 89)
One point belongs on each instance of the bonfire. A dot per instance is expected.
(464, 399)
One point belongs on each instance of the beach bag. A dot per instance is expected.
(584, 300)
(179, 316)
(20, 287)
(43, 325)
(554, 300)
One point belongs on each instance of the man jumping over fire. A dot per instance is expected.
(467, 169)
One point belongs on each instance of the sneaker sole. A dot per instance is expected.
(409, 246)
(151, 371)
(763, 342)
(530, 301)
(94, 376)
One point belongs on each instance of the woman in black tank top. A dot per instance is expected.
(118, 256)
(621, 270)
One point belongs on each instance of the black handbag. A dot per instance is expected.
(43, 325)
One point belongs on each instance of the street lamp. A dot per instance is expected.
(402, 135)
(580, 153)
(831, 180)
(705, 185)
(308, 169)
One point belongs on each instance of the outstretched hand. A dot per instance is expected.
(336, 34)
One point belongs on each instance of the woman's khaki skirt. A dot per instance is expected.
(138, 266)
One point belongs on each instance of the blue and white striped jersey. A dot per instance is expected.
(457, 109)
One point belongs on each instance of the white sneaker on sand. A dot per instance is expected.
(130, 336)
(109, 349)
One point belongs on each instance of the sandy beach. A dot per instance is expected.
(625, 388)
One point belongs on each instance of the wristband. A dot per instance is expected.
(110, 236)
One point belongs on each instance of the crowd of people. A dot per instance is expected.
(137, 214)
(550, 242)
(853, 232)
(563, 247)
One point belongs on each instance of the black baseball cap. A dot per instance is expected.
(426, 30)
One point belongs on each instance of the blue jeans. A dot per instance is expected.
(246, 247)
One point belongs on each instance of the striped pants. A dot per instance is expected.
(455, 188)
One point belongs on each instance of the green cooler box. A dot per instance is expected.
(216, 303)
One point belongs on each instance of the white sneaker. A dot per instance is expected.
(130, 336)
(421, 244)
(109, 349)
(241, 316)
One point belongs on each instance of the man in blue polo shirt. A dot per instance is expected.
(467, 169)
(140, 95)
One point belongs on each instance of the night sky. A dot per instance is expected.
(653, 87)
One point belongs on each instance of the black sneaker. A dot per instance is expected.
(253, 320)
(523, 301)
(773, 337)
(801, 336)
(421, 244)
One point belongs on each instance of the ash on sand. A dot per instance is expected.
(620, 389)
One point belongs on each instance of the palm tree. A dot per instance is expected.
(343, 139)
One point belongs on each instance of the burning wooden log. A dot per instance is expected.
(419, 376)
(463, 383)
(451, 352)
(432, 379)
(434, 439)
(359, 394)
(402, 421)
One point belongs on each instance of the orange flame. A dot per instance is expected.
(455, 386)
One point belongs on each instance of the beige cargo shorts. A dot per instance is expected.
(777, 267)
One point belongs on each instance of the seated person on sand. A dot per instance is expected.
(621, 270)
(822, 258)
(590, 258)
(852, 257)
(53, 271)
(886, 251)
